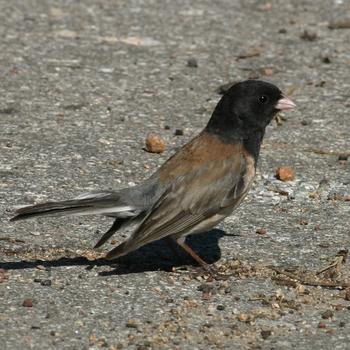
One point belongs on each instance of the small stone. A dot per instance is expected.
(205, 296)
(192, 62)
(228, 290)
(220, 307)
(179, 132)
(327, 314)
(3, 276)
(321, 325)
(46, 283)
(300, 289)
(261, 231)
(253, 75)
(347, 294)
(27, 302)
(114, 242)
(343, 157)
(154, 143)
(342, 23)
(285, 173)
(243, 317)
(92, 339)
(252, 52)
(205, 287)
(267, 71)
(324, 182)
(142, 347)
(308, 36)
(8, 110)
(131, 324)
(41, 267)
(265, 334)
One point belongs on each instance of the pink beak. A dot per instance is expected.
(285, 103)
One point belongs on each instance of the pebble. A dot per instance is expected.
(327, 314)
(267, 71)
(3, 276)
(192, 62)
(205, 287)
(179, 132)
(154, 143)
(347, 294)
(339, 24)
(265, 334)
(131, 324)
(308, 36)
(285, 173)
(46, 283)
(243, 317)
(27, 302)
(343, 156)
(261, 231)
(228, 290)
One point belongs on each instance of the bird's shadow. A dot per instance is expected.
(156, 256)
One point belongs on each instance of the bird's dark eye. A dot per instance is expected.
(263, 99)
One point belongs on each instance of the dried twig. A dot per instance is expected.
(336, 262)
(326, 152)
(11, 240)
(310, 282)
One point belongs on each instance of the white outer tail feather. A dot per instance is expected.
(123, 212)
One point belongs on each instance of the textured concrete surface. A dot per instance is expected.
(82, 83)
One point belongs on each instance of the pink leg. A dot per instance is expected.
(192, 253)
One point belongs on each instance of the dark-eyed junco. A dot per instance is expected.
(197, 187)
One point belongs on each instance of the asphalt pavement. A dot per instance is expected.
(83, 83)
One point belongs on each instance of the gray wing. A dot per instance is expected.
(189, 200)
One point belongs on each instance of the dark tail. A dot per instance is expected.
(108, 205)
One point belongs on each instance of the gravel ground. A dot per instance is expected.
(83, 83)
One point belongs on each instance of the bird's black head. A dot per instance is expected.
(247, 107)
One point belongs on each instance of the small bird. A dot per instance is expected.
(197, 187)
